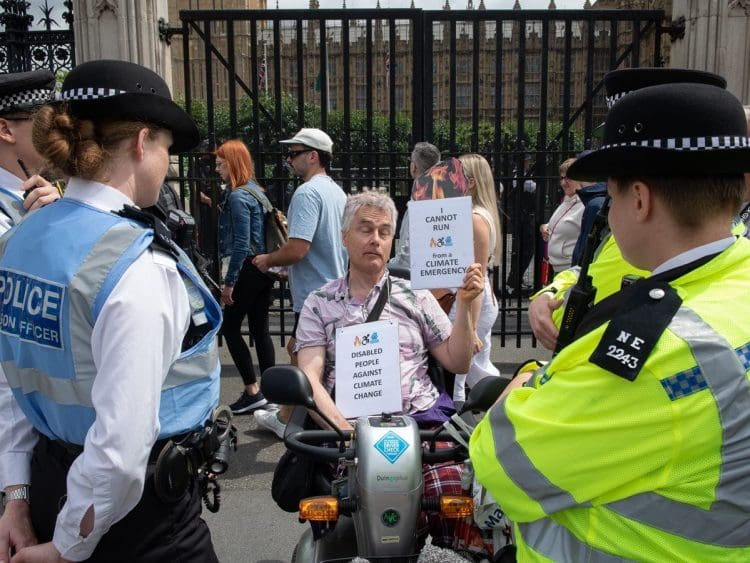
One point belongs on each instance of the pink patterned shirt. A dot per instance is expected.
(422, 325)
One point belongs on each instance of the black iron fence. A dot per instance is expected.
(511, 85)
(38, 38)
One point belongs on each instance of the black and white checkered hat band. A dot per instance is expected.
(89, 93)
(687, 143)
(614, 97)
(27, 98)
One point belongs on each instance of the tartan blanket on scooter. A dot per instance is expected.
(460, 535)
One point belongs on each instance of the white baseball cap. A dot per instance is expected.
(313, 138)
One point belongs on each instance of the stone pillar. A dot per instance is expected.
(717, 39)
(122, 29)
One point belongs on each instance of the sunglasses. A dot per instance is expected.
(294, 154)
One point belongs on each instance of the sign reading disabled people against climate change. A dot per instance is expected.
(368, 376)
(31, 308)
(442, 241)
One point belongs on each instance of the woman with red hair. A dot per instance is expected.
(246, 291)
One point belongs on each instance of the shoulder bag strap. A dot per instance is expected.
(260, 201)
(380, 303)
(246, 188)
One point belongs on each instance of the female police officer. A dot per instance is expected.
(108, 341)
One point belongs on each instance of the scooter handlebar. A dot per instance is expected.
(432, 455)
(308, 442)
(319, 444)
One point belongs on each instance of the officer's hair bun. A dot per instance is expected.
(80, 147)
(68, 143)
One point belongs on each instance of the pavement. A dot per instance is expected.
(250, 528)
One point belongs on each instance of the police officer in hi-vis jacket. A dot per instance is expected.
(633, 442)
(607, 268)
(107, 335)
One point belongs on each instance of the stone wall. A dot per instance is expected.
(717, 39)
(122, 29)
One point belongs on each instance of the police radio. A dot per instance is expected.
(181, 225)
(581, 295)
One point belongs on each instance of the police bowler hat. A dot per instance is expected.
(111, 89)
(622, 81)
(670, 129)
(23, 91)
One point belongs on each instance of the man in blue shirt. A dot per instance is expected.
(314, 253)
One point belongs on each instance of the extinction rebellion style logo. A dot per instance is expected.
(392, 446)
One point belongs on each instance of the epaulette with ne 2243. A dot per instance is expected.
(636, 327)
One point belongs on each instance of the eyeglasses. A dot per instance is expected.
(294, 154)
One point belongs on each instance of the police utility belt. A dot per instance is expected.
(178, 461)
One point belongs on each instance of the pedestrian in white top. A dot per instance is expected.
(487, 245)
(562, 230)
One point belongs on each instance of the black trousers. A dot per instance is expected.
(522, 251)
(153, 532)
(252, 297)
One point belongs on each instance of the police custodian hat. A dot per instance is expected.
(22, 91)
(112, 89)
(676, 129)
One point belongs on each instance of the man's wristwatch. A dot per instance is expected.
(21, 493)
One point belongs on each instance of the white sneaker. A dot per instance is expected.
(268, 420)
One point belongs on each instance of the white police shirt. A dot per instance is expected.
(11, 183)
(18, 436)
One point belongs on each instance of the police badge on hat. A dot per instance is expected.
(23, 91)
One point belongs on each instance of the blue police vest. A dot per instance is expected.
(48, 308)
(11, 205)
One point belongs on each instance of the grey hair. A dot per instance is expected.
(368, 198)
(425, 156)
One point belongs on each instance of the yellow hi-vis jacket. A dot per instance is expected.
(591, 466)
(606, 271)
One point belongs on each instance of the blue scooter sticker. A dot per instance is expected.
(392, 446)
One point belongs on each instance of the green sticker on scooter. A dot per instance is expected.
(390, 517)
